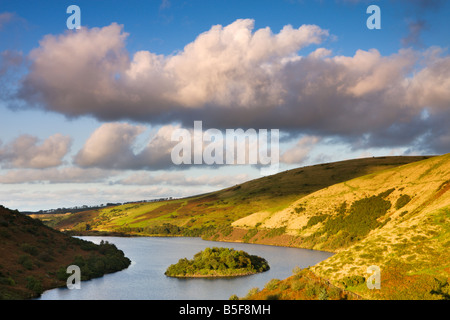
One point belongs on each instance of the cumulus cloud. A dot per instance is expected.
(27, 151)
(112, 146)
(229, 67)
(236, 77)
(300, 152)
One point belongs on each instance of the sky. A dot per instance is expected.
(88, 115)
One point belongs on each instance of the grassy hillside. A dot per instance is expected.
(213, 214)
(396, 219)
(34, 257)
(392, 212)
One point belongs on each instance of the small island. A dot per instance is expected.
(218, 262)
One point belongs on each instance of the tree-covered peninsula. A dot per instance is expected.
(218, 262)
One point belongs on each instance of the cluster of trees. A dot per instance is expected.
(362, 217)
(94, 265)
(169, 229)
(94, 207)
(354, 223)
(218, 262)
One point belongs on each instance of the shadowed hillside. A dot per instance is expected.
(34, 257)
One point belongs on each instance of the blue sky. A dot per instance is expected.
(335, 91)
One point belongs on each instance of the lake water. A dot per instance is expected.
(144, 279)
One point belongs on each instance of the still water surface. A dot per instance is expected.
(144, 279)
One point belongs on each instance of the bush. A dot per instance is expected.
(298, 285)
(7, 281)
(310, 290)
(402, 201)
(299, 209)
(352, 281)
(316, 219)
(34, 284)
(25, 247)
(272, 284)
(252, 292)
(26, 262)
(276, 232)
(323, 295)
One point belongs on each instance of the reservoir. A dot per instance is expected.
(144, 279)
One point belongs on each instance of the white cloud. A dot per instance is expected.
(236, 77)
(110, 146)
(300, 152)
(56, 175)
(26, 152)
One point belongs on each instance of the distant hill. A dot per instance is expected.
(212, 214)
(391, 212)
(34, 257)
(397, 219)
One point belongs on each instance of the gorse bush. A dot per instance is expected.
(352, 281)
(362, 218)
(402, 201)
(316, 219)
(272, 284)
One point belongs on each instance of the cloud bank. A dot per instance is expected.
(234, 76)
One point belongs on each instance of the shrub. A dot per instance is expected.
(276, 232)
(25, 261)
(34, 284)
(352, 281)
(298, 285)
(25, 247)
(316, 219)
(7, 281)
(299, 209)
(272, 284)
(402, 201)
(252, 292)
(310, 290)
(323, 295)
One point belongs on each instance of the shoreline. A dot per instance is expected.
(212, 275)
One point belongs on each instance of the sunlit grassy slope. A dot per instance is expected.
(214, 213)
(396, 219)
